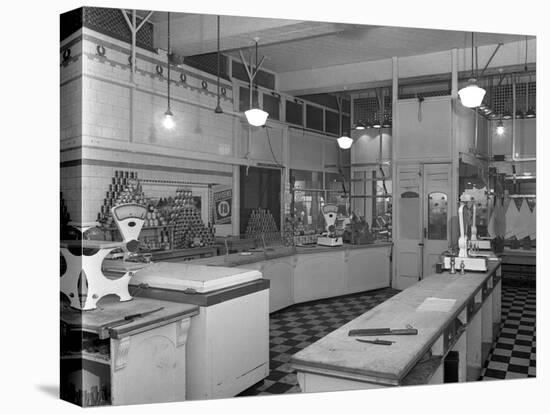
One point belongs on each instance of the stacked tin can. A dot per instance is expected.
(261, 223)
(189, 229)
(124, 188)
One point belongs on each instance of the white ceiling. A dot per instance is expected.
(291, 45)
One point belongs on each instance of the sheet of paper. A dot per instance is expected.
(436, 305)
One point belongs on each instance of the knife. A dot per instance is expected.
(382, 331)
(376, 341)
(131, 318)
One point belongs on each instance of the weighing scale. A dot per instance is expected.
(468, 262)
(85, 269)
(329, 237)
(481, 243)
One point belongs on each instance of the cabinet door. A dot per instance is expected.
(368, 269)
(319, 276)
(149, 367)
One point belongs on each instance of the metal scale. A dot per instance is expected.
(329, 237)
(86, 269)
(465, 260)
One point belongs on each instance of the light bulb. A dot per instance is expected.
(500, 128)
(168, 120)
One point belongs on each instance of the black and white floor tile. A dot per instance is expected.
(294, 328)
(513, 355)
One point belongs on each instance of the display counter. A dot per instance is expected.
(301, 274)
(451, 312)
(108, 357)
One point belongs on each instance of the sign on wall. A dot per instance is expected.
(222, 205)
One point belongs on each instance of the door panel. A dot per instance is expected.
(409, 219)
(436, 180)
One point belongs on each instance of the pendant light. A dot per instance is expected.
(530, 114)
(168, 121)
(218, 109)
(500, 127)
(359, 126)
(344, 142)
(471, 95)
(255, 116)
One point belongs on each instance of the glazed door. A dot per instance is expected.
(436, 183)
(408, 220)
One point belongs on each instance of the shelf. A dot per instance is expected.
(423, 371)
(95, 357)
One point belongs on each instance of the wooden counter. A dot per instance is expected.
(339, 362)
(108, 360)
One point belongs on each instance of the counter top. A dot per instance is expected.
(238, 259)
(341, 355)
(111, 311)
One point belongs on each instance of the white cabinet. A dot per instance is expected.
(280, 274)
(368, 270)
(319, 276)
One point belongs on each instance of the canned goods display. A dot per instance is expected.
(262, 224)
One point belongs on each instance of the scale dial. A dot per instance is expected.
(131, 210)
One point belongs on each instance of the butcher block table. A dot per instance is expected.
(459, 313)
(110, 357)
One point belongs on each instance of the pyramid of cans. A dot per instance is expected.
(261, 222)
(124, 188)
(189, 229)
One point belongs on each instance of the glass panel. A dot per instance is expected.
(271, 104)
(437, 216)
(409, 213)
(314, 118)
(294, 113)
(332, 123)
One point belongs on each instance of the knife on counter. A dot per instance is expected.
(382, 331)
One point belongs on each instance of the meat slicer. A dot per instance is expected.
(329, 237)
(83, 282)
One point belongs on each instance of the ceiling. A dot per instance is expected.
(291, 45)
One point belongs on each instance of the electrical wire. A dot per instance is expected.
(168, 60)
(271, 148)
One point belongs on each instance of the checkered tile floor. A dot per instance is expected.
(294, 328)
(513, 355)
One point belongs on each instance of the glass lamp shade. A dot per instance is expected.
(256, 117)
(472, 95)
(359, 126)
(506, 115)
(376, 124)
(345, 142)
(168, 120)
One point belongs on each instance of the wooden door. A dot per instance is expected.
(436, 183)
(408, 220)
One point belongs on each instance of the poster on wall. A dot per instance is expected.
(223, 197)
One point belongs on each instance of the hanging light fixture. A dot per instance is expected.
(387, 122)
(218, 109)
(500, 127)
(344, 142)
(376, 123)
(506, 115)
(359, 126)
(168, 121)
(254, 116)
(471, 95)
(530, 114)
